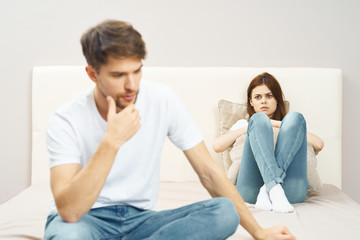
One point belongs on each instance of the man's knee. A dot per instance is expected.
(58, 229)
(226, 215)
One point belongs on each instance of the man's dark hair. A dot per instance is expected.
(111, 38)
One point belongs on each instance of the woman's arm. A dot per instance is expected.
(315, 141)
(226, 140)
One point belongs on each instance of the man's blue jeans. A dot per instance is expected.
(211, 219)
(287, 164)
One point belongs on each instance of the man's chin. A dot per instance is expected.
(122, 105)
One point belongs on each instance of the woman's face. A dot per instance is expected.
(262, 100)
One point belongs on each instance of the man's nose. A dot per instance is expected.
(130, 83)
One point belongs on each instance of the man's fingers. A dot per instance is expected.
(286, 235)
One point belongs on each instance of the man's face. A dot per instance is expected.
(120, 79)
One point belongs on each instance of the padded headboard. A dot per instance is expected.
(315, 92)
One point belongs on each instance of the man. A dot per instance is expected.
(104, 150)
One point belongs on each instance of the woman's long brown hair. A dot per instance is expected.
(274, 86)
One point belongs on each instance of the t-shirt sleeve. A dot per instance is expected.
(239, 124)
(183, 131)
(62, 144)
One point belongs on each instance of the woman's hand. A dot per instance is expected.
(275, 123)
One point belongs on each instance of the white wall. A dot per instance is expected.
(239, 33)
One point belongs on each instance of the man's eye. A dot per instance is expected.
(117, 75)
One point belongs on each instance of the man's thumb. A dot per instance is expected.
(111, 105)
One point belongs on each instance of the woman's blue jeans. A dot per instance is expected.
(211, 219)
(286, 165)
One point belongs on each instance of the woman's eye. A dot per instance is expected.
(269, 96)
(257, 97)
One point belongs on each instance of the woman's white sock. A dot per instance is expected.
(279, 200)
(263, 201)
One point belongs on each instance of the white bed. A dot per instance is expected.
(328, 214)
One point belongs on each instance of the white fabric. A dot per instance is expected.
(76, 129)
(239, 124)
(330, 214)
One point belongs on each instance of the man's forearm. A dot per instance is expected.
(218, 185)
(75, 197)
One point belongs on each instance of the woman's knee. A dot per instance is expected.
(295, 118)
(260, 119)
(293, 121)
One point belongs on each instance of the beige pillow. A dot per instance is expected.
(230, 113)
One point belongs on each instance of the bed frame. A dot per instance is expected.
(315, 92)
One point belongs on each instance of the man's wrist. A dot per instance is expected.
(109, 143)
(259, 234)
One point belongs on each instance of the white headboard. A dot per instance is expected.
(315, 92)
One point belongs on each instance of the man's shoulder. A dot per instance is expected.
(77, 104)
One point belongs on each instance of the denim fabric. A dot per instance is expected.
(211, 219)
(286, 165)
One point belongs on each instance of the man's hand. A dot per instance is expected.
(123, 125)
(277, 233)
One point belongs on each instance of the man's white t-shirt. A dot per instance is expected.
(75, 130)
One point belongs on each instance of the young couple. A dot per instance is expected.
(97, 141)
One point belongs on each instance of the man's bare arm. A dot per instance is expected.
(76, 189)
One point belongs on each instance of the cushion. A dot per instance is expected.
(230, 113)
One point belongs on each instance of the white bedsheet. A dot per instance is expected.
(330, 214)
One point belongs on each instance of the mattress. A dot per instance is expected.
(329, 214)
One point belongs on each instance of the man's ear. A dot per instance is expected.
(91, 72)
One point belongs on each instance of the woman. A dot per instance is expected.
(272, 179)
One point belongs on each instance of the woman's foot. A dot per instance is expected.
(263, 201)
(279, 200)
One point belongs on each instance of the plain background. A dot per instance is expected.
(203, 33)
